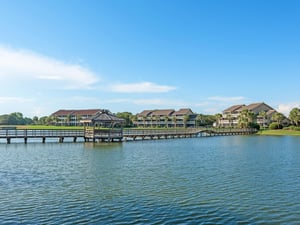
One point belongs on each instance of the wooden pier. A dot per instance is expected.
(26, 134)
(103, 135)
(151, 134)
(116, 134)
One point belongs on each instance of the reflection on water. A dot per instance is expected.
(217, 180)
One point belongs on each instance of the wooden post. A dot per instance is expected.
(61, 139)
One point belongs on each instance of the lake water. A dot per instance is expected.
(208, 180)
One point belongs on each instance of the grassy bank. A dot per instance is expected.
(279, 132)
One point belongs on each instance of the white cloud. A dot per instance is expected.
(143, 87)
(287, 107)
(18, 64)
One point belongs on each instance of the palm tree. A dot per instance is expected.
(263, 116)
(68, 119)
(174, 120)
(246, 118)
(133, 119)
(166, 121)
(199, 119)
(278, 117)
(144, 121)
(218, 118)
(157, 119)
(186, 118)
(229, 117)
(295, 116)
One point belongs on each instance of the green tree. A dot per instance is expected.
(166, 121)
(294, 116)
(144, 121)
(278, 117)
(4, 119)
(43, 120)
(127, 116)
(35, 120)
(229, 118)
(263, 116)
(186, 118)
(218, 117)
(174, 121)
(246, 119)
(199, 119)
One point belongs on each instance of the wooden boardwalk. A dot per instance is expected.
(25, 134)
(150, 134)
(112, 135)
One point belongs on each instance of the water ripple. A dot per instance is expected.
(222, 180)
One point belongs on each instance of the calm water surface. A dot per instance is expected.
(217, 180)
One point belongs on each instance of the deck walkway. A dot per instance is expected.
(112, 135)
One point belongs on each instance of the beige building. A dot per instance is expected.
(166, 118)
(80, 117)
(263, 114)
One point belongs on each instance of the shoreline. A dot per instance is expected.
(278, 133)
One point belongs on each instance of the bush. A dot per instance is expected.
(292, 128)
(254, 125)
(275, 126)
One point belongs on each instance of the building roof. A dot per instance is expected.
(253, 106)
(163, 112)
(145, 113)
(233, 108)
(271, 112)
(63, 112)
(185, 111)
(166, 112)
(105, 116)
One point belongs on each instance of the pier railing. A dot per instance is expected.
(117, 134)
(40, 133)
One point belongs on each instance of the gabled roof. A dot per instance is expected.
(233, 108)
(106, 116)
(145, 113)
(63, 112)
(256, 105)
(185, 111)
(271, 112)
(163, 112)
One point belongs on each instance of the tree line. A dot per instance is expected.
(17, 118)
(246, 119)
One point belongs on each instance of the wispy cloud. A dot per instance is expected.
(142, 87)
(24, 64)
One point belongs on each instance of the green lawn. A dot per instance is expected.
(279, 132)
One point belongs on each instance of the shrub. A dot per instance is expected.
(275, 126)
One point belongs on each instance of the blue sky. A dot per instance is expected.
(131, 55)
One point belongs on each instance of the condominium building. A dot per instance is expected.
(166, 118)
(263, 114)
(75, 117)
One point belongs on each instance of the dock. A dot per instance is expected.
(91, 134)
